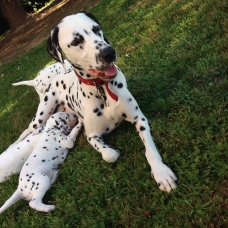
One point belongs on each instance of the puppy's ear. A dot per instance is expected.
(92, 17)
(52, 46)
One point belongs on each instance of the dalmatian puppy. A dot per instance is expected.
(13, 158)
(44, 77)
(96, 91)
(41, 168)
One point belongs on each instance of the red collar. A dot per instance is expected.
(98, 81)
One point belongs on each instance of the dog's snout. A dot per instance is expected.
(108, 54)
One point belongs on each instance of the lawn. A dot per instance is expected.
(174, 55)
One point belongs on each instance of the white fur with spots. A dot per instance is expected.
(41, 168)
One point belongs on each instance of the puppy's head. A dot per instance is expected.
(80, 38)
(61, 121)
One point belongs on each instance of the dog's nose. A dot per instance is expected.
(108, 54)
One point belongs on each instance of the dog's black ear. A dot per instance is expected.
(52, 46)
(92, 17)
(106, 40)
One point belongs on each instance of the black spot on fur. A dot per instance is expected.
(96, 110)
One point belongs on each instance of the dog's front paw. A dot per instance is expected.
(110, 155)
(164, 176)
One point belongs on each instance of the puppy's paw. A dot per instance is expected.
(110, 155)
(49, 208)
(164, 176)
(40, 206)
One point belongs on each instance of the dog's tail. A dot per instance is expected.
(28, 83)
(12, 200)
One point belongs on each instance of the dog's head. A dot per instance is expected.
(62, 121)
(80, 38)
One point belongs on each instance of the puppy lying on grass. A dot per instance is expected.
(13, 158)
(41, 168)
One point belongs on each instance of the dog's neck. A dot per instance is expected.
(81, 72)
(98, 82)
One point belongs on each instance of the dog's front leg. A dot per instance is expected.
(162, 174)
(70, 139)
(108, 154)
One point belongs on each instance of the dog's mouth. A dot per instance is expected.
(107, 73)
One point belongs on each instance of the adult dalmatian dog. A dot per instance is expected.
(96, 90)
(41, 168)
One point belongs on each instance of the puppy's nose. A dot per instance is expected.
(108, 54)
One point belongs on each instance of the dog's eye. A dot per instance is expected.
(96, 29)
(75, 42)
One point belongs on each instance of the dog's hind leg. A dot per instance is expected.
(12, 200)
(44, 185)
(45, 109)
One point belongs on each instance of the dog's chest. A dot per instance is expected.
(81, 98)
(99, 111)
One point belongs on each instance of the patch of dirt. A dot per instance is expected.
(38, 27)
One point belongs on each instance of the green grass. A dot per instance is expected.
(174, 55)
